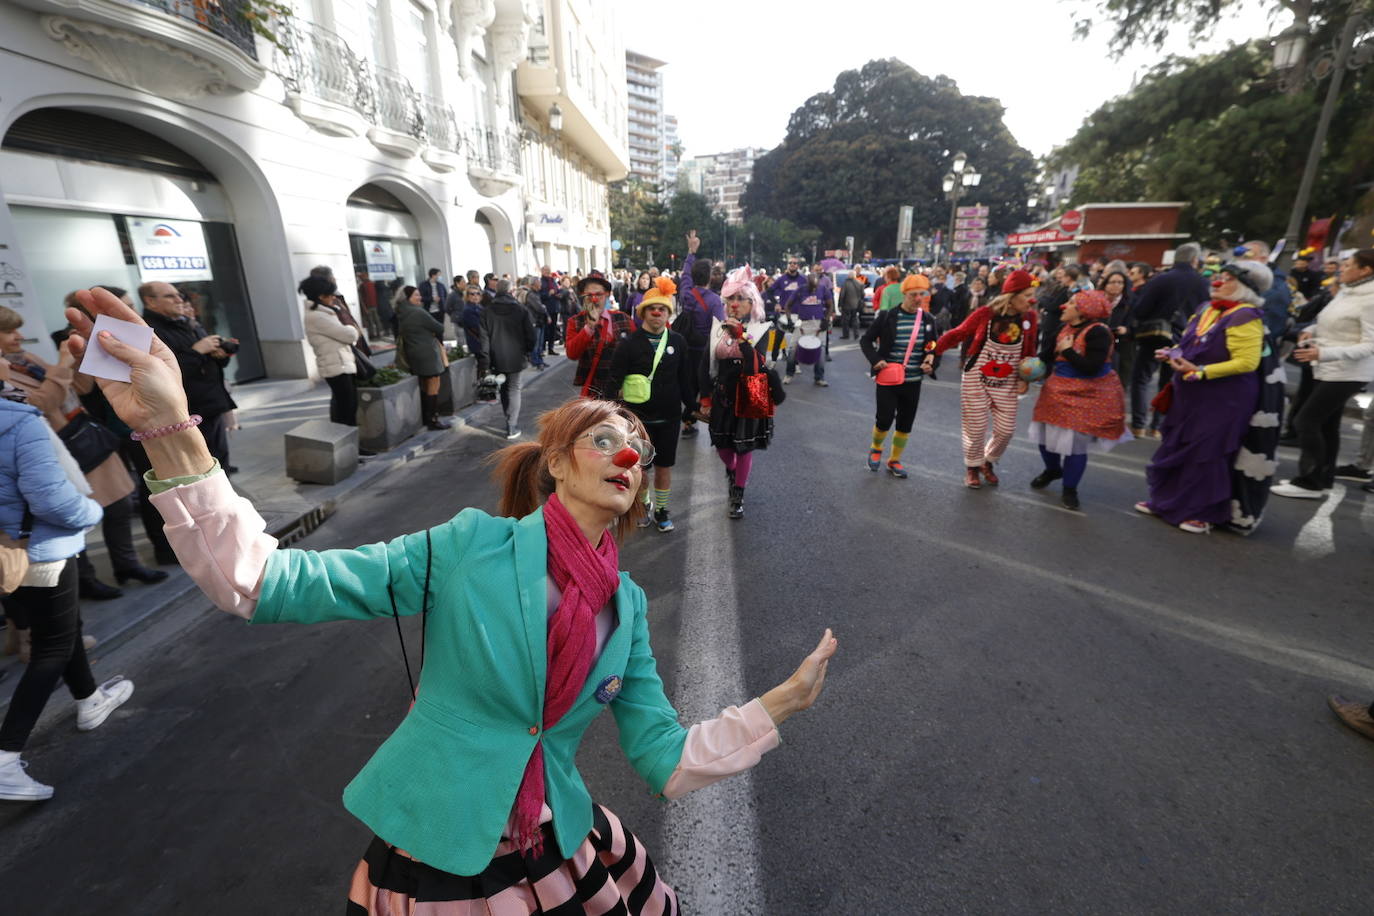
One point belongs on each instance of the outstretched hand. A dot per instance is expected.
(153, 396)
(802, 689)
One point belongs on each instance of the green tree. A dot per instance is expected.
(1149, 22)
(1214, 132)
(689, 210)
(637, 216)
(881, 139)
(773, 240)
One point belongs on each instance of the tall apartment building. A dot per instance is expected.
(672, 154)
(166, 141)
(721, 178)
(644, 84)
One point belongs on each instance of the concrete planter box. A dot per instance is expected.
(318, 451)
(458, 386)
(388, 416)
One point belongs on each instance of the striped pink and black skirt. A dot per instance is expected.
(609, 873)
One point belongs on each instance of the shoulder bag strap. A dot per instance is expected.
(26, 524)
(658, 355)
(701, 300)
(915, 332)
(596, 360)
(424, 615)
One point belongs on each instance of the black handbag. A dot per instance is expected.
(364, 370)
(88, 441)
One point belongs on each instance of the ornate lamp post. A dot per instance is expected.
(961, 175)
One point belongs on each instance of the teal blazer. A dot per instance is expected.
(443, 785)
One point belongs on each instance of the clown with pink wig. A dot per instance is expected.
(735, 351)
(1080, 409)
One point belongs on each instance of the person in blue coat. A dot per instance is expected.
(41, 507)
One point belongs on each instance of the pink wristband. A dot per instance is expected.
(191, 421)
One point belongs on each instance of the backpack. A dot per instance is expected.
(686, 325)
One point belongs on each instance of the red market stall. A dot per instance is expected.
(1129, 231)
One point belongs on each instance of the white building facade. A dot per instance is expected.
(163, 139)
(721, 178)
(644, 85)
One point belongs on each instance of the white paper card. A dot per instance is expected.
(101, 364)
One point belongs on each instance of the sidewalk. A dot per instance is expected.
(266, 412)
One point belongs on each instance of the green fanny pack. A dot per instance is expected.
(636, 388)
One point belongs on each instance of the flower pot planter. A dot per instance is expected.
(388, 416)
(458, 385)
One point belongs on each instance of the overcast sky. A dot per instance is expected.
(1019, 51)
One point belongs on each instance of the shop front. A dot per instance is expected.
(384, 239)
(1143, 231)
(129, 210)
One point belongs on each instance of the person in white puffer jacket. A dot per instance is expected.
(1340, 347)
(332, 340)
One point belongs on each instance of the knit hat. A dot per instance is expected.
(1092, 304)
(1019, 280)
(915, 281)
(1253, 274)
(660, 292)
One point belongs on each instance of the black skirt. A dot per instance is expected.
(743, 434)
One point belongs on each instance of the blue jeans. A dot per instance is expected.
(537, 357)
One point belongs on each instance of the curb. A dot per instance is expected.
(287, 529)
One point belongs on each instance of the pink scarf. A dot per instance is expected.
(587, 576)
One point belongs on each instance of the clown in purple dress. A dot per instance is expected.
(1215, 454)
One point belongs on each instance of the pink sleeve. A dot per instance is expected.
(731, 743)
(220, 540)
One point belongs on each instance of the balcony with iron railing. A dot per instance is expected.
(339, 93)
(178, 48)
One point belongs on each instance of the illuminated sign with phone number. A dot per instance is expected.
(160, 262)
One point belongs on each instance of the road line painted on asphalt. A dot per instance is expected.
(1243, 641)
(1317, 538)
(710, 837)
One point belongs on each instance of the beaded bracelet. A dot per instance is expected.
(190, 422)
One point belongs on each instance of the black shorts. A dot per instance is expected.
(664, 436)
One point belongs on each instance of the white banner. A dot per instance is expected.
(16, 291)
(170, 250)
(381, 264)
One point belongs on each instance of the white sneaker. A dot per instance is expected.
(16, 785)
(97, 707)
(1293, 491)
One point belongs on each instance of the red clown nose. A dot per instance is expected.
(1216, 284)
(626, 458)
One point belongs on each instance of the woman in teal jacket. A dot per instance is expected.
(531, 631)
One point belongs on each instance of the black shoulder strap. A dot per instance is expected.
(26, 524)
(424, 615)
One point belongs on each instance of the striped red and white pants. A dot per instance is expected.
(976, 402)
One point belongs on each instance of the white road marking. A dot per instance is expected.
(1317, 538)
(711, 846)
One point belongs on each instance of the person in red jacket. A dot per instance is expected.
(1000, 335)
(593, 333)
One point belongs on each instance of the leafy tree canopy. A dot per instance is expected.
(884, 138)
(1215, 132)
(1148, 23)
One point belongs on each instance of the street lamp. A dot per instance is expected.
(962, 175)
(1288, 50)
(555, 118)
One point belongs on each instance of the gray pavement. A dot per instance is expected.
(1032, 711)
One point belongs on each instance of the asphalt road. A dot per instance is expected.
(1032, 711)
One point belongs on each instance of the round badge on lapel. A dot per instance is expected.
(608, 689)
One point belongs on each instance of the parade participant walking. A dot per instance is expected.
(1195, 474)
(420, 339)
(700, 306)
(1340, 350)
(593, 335)
(900, 347)
(508, 338)
(1159, 306)
(477, 792)
(1080, 409)
(734, 354)
(999, 335)
(43, 507)
(789, 287)
(655, 375)
(812, 309)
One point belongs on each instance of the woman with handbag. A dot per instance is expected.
(743, 388)
(1080, 409)
(44, 516)
(420, 342)
(333, 342)
(476, 797)
(53, 390)
(900, 346)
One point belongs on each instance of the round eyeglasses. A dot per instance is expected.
(610, 442)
